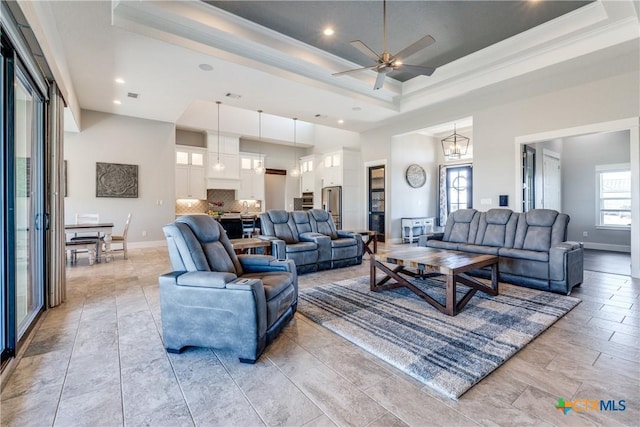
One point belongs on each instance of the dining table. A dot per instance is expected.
(101, 228)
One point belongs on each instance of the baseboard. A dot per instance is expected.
(607, 247)
(150, 244)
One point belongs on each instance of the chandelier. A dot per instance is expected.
(455, 145)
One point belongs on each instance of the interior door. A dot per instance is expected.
(376, 201)
(552, 182)
(528, 178)
(274, 188)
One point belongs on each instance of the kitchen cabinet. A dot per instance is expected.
(343, 168)
(251, 183)
(229, 154)
(332, 171)
(308, 177)
(190, 173)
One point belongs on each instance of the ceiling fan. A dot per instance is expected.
(386, 62)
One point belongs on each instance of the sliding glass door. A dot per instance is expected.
(23, 218)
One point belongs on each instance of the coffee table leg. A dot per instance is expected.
(450, 309)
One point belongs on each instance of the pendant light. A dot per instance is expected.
(455, 145)
(295, 172)
(260, 169)
(218, 166)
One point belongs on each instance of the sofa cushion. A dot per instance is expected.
(279, 223)
(274, 282)
(322, 222)
(301, 219)
(524, 254)
(201, 231)
(343, 242)
(441, 244)
(462, 226)
(478, 249)
(301, 247)
(496, 227)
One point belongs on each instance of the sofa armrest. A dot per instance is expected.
(205, 279)
(311, 236)
(422, 240)
(324, 244)
(278, 246)
(566, 262)
(261, 263)
(356, 236)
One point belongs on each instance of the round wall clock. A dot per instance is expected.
(416, 176)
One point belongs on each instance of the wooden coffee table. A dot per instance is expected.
(427, 262)
(243, 246)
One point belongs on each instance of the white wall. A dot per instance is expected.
(581, 154)
(405, 201)
(118, 139)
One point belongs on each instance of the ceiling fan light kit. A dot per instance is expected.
(386, 62)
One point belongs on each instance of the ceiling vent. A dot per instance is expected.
(233, 95)
(133, 95)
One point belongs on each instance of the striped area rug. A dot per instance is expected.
(448, 354)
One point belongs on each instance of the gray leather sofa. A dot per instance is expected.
(346, 247)
(531, 246)
(215, 298)
(310, 240)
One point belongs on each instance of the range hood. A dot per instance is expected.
(223, 184)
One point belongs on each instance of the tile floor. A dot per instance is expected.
(98, 360)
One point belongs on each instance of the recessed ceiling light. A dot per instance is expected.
(341, 121)
(320, 116)
(117, 101)
(233, 95)
(328, 31)
(205, 67)
(120, 80)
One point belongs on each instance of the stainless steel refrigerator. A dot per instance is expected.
(332, 203)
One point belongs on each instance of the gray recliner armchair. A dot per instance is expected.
(215, 298)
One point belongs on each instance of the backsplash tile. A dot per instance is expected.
(217, 200)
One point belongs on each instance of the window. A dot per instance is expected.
(613, 193)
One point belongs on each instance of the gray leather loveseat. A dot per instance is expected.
(310, 239)
(214, 298)
(531, 246)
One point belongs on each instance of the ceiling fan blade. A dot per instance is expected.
(415, 48)
(341, 73)
(416, 69)
(359, 44)
(379, 81)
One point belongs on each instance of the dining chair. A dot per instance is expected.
(122, 239)
(83, 242)
(248, 225)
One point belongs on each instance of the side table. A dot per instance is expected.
(372, 237)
